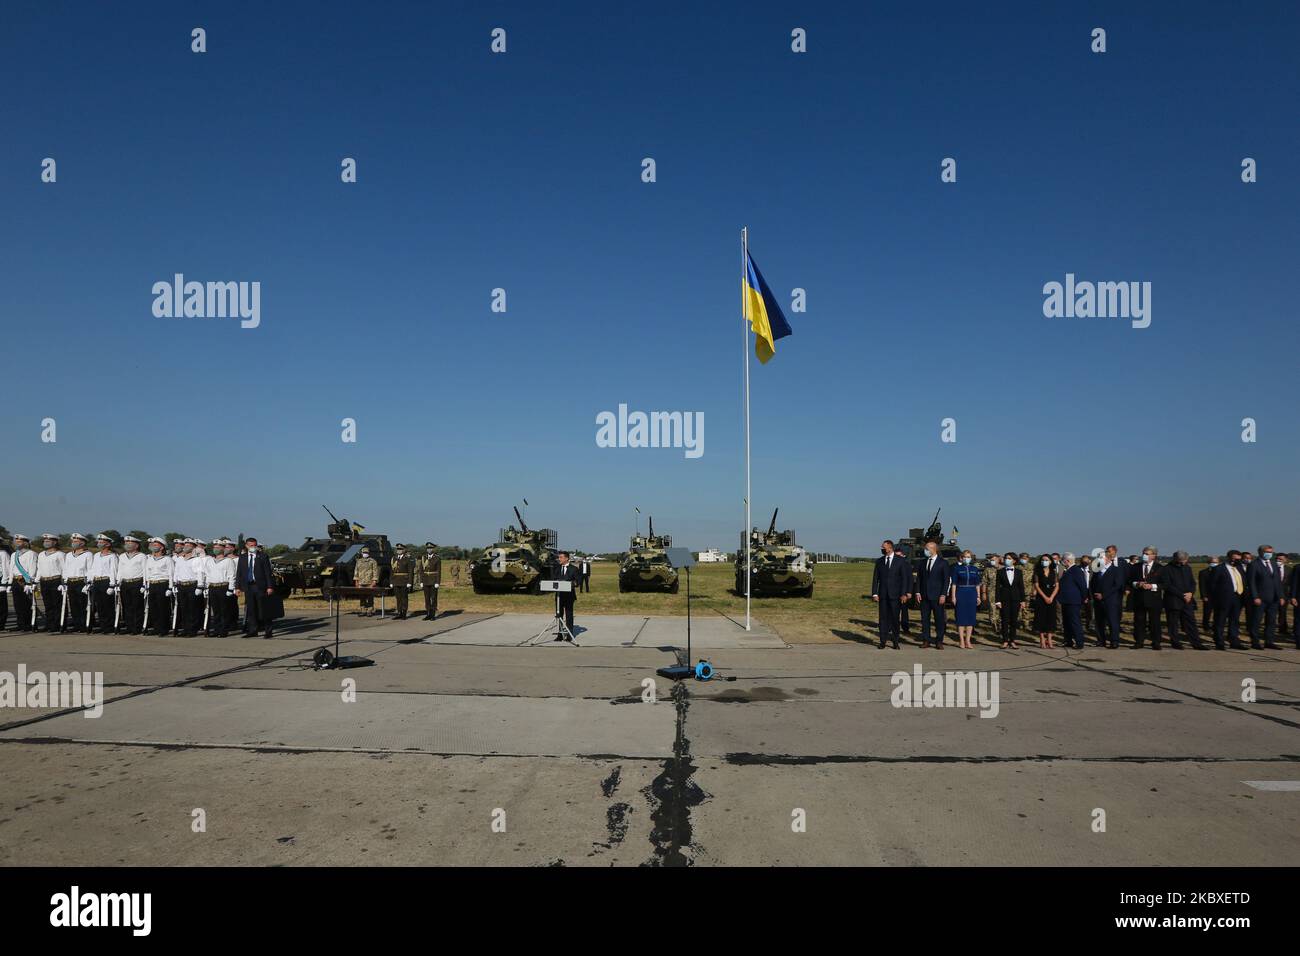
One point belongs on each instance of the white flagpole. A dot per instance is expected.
(744, 328)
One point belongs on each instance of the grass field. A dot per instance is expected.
(837, 611)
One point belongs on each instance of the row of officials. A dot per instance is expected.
(1091, 596)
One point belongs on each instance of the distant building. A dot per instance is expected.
(712, 556)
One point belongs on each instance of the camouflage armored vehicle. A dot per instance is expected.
(913, 546)
(779, 565)
(646, 567)
(519, 561)
(320, 562)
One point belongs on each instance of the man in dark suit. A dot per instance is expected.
(1108, 597)
(1148, 584)
(1266, 591)
(1227, 589)
(1009, 594)
(567, 572)
(891, 583)
(1203, 584)
(253, 578)
(1247, 599)
(1180, 602)
(1072, 597)
(933, 578)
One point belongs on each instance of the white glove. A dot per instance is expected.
(63, 587)
(169, 592)
(112, 590)
(86, 589)
(230, 594)
(436, 585)
(144, 590)
(29, 589)
(410, 587)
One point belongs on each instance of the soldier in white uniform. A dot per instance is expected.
(103, 583)
(219, 579)
(22, 581)
(130, 585)
(6, 567)
(158, 587)
(232, 596)
(49, 581)
(185, 582)
(199, 564)
(76, 578)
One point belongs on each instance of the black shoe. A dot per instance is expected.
(1272, 647)
(1176, 646)
(559, 637)
(1237, 646)
(896, 647)
(881, 645)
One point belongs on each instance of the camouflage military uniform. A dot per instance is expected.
(428, 568)
(367, 576)
(1027, 606)
(401, 571)
(990, 581)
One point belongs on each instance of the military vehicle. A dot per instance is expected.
(320, 562)
(779, 565)
(646, 567)
(519, 561)
(913, 546)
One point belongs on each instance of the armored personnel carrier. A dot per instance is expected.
(646, 567)
(913, 546)
(519, 561)
(779, 565)
(320, 562)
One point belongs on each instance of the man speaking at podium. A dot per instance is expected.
(567, 572)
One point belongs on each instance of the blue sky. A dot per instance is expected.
(522, 171)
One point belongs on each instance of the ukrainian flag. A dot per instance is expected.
(762, 312)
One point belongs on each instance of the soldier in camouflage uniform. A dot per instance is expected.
(990, 579)
(428, 568)
(402, 570)
(366, 576)
(1027, 606)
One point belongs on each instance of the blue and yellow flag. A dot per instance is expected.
(762, 312)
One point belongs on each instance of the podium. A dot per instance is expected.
(557, 628)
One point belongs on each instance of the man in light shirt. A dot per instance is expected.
(158, 588)
(6, 567)
(103, 583)
(185, 583)
(76, 578)
(232, 596)
(22, 581)
(130, 585)
(49, 581)
(1228, 588)
(219, 580)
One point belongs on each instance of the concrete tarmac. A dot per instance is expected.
(473, 741)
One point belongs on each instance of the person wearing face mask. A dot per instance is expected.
(401, 572)
(231, 549)
(254, 579)
(158, 588)
(219, 582)
(1148, 583)
(429, 570)
(933, 582)
(1072, 598)
(1247, 599)
(130, 585)
(1047, 586)
(891, 583)
(1108, 586)
(366, 575)
(1228, 589)
(1026, 606)
(989, 586)
(1180, 603)
(967, 589)
(22, 581)
(1293, 600)
(1009, 596)
(1203, 584)
(1266, 590)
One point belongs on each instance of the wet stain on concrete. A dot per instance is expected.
(610, 783)
(673, 794)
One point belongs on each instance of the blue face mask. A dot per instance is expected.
(1010, 563)
(966, 559)
(1268, 555)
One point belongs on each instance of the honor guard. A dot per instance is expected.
(6, 569)
(76, 578)
(158, 589)
(130, 585)
(103, 584)
(22, 582)
(49, 581)
(219, 579)
(366, 576)
(185, 582)
(232, 596)
(429, 570)
(199, 563)
(401, 571)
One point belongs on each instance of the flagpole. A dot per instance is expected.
(744, 330)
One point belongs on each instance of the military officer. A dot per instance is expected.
(103, 583)
(76, 578)
(429, 570)
(49, 579)
(232, 596)
(218, 582)
(158, 587)
(401, 570)
(130, 585)
(185, 583)
(22, 581)
(366, 576)
(6, 570)
(1026, 606)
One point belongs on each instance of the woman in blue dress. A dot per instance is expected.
(965, 594)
